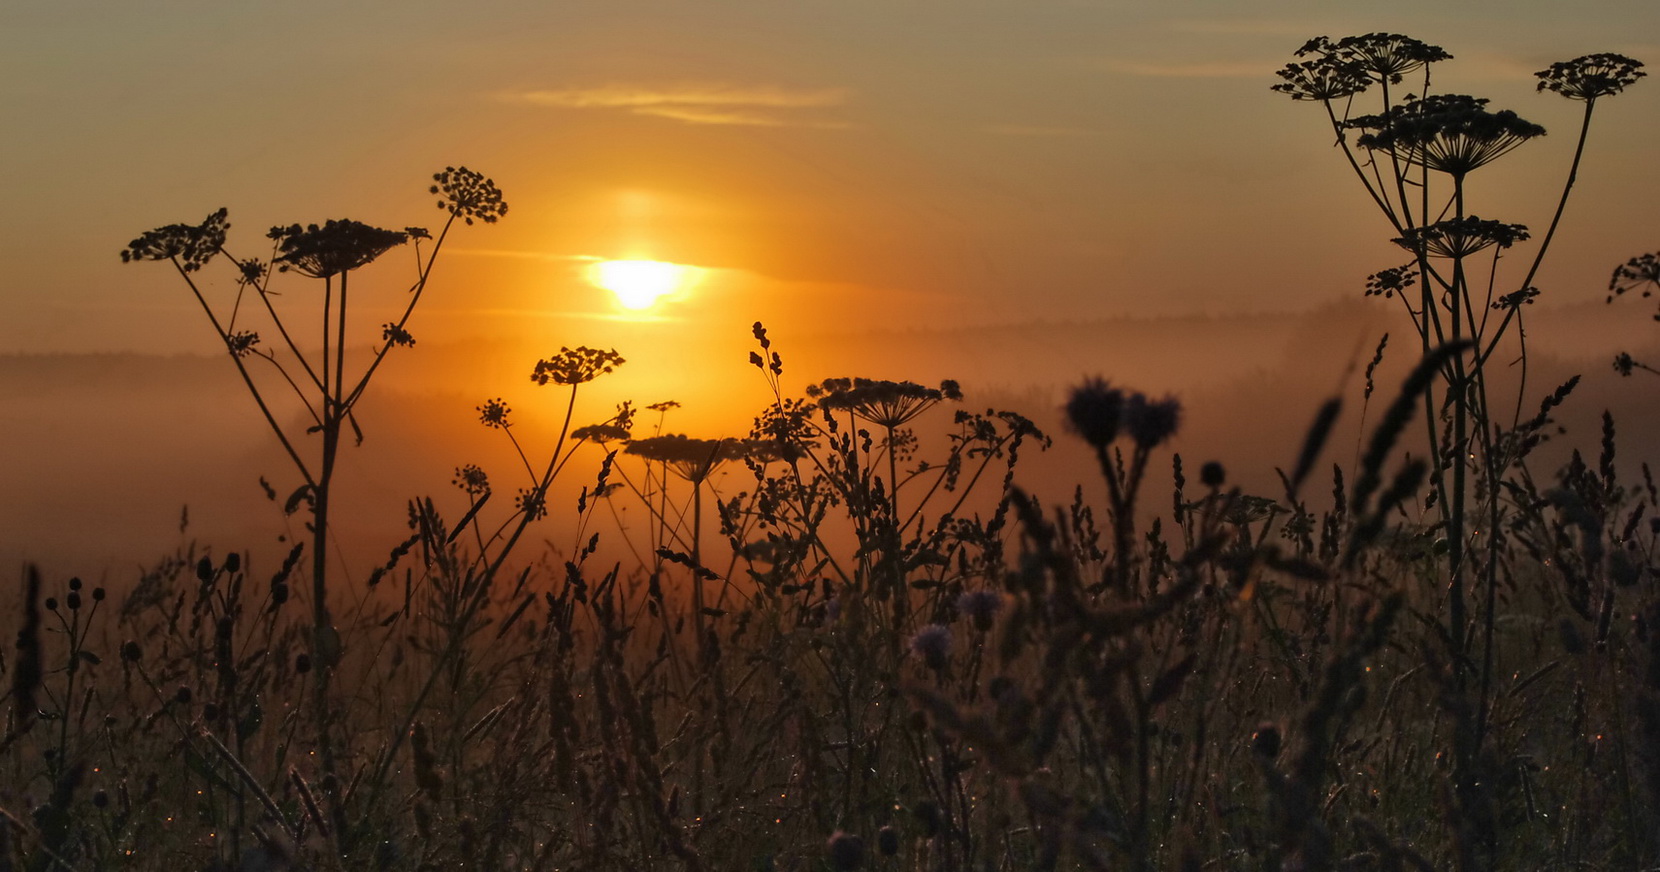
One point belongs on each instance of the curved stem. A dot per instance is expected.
(1562, 202)
(415, 297)
(253, 389)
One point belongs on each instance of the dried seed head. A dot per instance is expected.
(1095, 411)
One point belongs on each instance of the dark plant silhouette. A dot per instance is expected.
(1413, 157)
(319, 380)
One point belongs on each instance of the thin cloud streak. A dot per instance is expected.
(746, 106)
(741, 119)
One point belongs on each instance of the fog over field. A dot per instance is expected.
(112, 460)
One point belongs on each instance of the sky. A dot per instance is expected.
(851, 165)
(1015, 193)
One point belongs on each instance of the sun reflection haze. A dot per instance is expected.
(639, 284)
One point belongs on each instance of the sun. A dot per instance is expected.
(639, 284)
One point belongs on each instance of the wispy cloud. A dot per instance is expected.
(751, 106)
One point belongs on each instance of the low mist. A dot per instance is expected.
(113, 460)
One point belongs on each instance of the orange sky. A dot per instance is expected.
(842, 164)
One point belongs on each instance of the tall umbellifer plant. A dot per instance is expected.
(315, 375)
(1414, 156)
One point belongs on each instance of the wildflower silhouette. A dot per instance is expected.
(693, 460)
(493, 413)
(468, 195)
(1640, 274)
(1387, 283)
(1449, 133)
(1590, 77)
(329, 253)
(830, 447)
(887, 404)
(1460, 237)
(1412, 156)
(601, 433)
(574, 366)
(187, 246)
(690, 458)
(1100, 414)
(472, 480)
(333, 248)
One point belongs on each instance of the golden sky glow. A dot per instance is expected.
(846, 164)
(640, 284)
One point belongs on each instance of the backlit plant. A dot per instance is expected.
(317, 377)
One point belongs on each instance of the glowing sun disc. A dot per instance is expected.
(639, 284)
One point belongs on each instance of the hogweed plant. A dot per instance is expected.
(1414, 156)
(834, 447)
(317, 377)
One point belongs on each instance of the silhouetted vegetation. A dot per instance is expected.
(877, 651)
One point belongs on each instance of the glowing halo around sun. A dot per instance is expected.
(639, 284)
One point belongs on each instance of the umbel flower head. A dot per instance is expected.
(1322, 79)
(692, 459)
(574, 366)
(1350, 65)
(1639, 273)
(333, 248)
(1388, 56)
(468, 195)
(1591, 76)
(191, 246)
(494, 414)
(1461, 237)
(1449, 133)
(472, 480)
(884, 403)
(600, 433)
(1387, 283)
